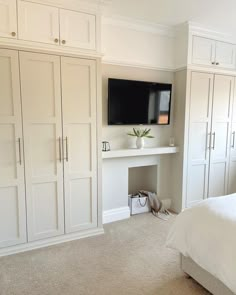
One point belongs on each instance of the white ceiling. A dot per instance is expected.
(218, 15)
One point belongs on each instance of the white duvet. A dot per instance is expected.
(207, 234)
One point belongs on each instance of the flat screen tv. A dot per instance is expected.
(137, 102)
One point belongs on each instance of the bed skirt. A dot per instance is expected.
(203, 277)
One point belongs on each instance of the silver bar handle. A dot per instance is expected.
(233, 144)
(19, 150)
(60, 156)
(67, 156)
(214, 140)
(209, 141)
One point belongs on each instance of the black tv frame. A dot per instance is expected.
(139, 124)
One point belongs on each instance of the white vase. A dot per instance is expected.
(140, 142)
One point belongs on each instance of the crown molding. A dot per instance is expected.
(140, 26)
(116, 62)
(169, 31)
(81, 5)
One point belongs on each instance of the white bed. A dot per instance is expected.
(205, 235)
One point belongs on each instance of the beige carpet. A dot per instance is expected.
(130, 259)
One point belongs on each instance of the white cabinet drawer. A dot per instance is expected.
(8, 19)
(38, 22)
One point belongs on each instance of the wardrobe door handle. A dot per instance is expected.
(213, 63)
(13, 34)
(60, 156)
(233, 144)
(214, 140)
(19, 150)
(217, 63)
(63, 41)
(67, 157)
(209, 141)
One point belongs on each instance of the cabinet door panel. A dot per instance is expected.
(221, 119)
(8, 19)
(38, 22)
(7, 88)
(42, 149)
(45, 200)
(80, 150)
(232, 168)
(217, 179)
(80, 201)
(203, 51)
(42, 103)
(225, 55)
(78, 29)
(232, 177)
(80, 147)
(12, 192)
(40, 84)
(197, 184)
(199, 129)
(8, 160)
(220, 140)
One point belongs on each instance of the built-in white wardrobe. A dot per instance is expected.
(204, 117)
(209, 136)
(48, 146)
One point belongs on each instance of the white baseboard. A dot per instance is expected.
(116, 214)
(50, 242)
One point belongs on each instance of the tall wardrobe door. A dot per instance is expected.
(221, 121)
(232, 165)
(199, 139)
(41, 100)
(80, 147)
(12, 192)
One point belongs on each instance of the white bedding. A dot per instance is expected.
(207, 234)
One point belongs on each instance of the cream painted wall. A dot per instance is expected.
(115, 172)
(136, 43)
(117, 135)
(134, 52)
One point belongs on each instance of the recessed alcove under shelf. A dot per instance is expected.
(142, 178)
(129, 170)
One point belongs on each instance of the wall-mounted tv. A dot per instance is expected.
(137, 102)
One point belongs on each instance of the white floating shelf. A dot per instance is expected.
(140, 152)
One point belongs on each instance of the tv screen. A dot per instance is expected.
(137, 102)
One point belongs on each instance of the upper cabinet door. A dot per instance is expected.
(77, 29)
(203, 51)
(38, 23)
(225, 55)
(8, 19)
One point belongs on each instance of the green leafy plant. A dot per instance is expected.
(141, 133)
